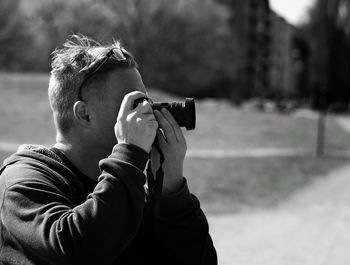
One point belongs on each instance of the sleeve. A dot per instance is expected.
(43, 220)
(183, 231)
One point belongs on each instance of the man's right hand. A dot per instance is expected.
(136, 126)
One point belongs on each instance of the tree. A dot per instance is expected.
(181, 45)
(14, 36)
(329, 38)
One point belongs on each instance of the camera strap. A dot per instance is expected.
(155, 184)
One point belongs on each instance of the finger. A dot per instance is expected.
(154, 152)
(166, 127)
(128, 101)
(161, 139)
(145, 108)
(177, 130)
(155, 156)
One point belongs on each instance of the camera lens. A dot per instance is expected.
(190, 114)
(183, 112)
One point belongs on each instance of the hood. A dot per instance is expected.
(33, 152)
(42, 158)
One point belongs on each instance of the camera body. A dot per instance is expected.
(183, 112)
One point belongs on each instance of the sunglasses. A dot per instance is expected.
(120, 55)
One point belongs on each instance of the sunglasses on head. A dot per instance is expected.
(119, 54)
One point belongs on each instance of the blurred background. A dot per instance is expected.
(269, 158)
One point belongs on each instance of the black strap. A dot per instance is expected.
(155, 184)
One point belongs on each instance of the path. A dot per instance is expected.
(311, 228)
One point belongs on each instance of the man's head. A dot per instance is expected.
(87, 84)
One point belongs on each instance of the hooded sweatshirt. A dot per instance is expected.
(49, 215)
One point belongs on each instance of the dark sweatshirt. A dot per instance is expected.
(48, 215)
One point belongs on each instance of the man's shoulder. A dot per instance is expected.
(32, 163)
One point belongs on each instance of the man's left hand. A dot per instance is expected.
(173, 145)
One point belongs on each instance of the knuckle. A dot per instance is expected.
(138, 95)
(134, 95)
(131, 117)
(128, 96)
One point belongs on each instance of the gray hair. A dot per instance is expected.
(71, 65)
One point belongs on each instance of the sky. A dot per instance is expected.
(294, 11)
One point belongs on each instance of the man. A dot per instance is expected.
(83, 201)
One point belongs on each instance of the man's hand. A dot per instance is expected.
(173, 146)
(136, 126)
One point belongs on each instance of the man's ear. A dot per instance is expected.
(82, 113)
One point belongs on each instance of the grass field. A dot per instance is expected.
(225, 185)
(228, 186)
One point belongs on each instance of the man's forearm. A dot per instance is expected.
(96, 231)
(183, 231)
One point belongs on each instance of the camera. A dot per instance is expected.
(183, 112)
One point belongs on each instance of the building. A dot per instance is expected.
(282, 69)
(250, 23)
(264, 60)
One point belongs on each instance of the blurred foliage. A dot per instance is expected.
(328, 35)
(182, 46)
(15, 39)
